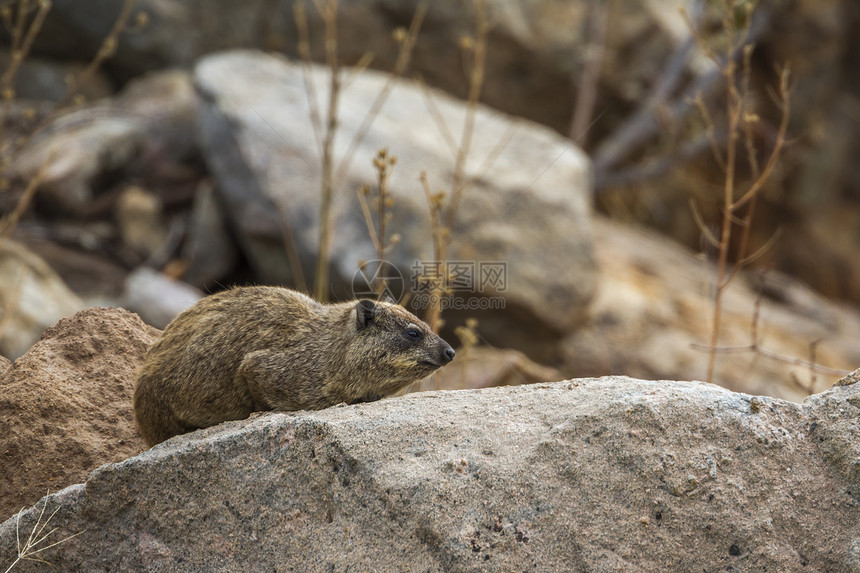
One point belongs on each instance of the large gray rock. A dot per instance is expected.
(530, 208)
(587, 475)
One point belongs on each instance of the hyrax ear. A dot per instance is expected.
(365, 313)
(387, 297)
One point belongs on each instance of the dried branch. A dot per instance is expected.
(331, 177)
(595, 53)
(435, 203)
(476, 83)
(644, 125)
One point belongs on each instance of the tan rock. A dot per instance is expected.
(32, 298)
(652, 314)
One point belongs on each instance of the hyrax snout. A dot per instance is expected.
(267, 348)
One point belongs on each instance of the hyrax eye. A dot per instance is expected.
(413, 333)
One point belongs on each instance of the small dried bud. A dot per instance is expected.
(399, 35)
(108, 48)
(141, 19)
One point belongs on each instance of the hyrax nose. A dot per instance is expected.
(447, 354)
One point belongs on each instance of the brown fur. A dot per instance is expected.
(268, 348)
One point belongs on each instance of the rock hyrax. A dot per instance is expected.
(267, 348)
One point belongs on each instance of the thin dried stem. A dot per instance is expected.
(106, 50)
(437, 287)
(329, 13)
(384, 165)
(288, 238)
(710, 130)
(772, 355)
(772, 160)
(8, 224)
(703, 228)
(403, 57)
(739, 120)
(30, 550)
(331, 176)
(19, 53)
(476, 83)
(438, 119)
(583, 110)
(643, 125)
(304, 48)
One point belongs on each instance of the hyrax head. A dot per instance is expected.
(399, 347)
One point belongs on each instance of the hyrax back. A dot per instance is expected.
(268, 348)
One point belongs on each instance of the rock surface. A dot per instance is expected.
(65, 406)
(32, 298)
(530, 207)
(145, 129)
(156, 297)
(593, 474)
(652, 312)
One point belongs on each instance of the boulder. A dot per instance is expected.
(486, 367)
(652, 313)
(141, 131)
(32, 298)
(65, 406)
(594, 474)
(42, 79)
(536, 50)
(529, 208)
(156, 297)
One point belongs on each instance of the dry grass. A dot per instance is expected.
(31, 549)
(739, 199)
(740, 119)
(444, 205)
